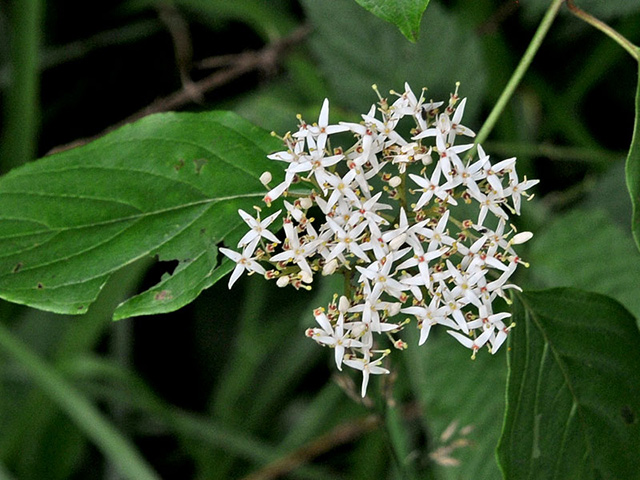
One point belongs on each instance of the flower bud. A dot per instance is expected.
(330, 267)
(397, 242)
(283, 281)
(395, 181)
(394, 309)
(306, 203)
(306, 277)
(521, 237)
(266, 178)
(343, 304)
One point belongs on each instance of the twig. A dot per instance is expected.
(340, 435)
(633, 50)
(266, 59)
(182, 46)
(522, 67)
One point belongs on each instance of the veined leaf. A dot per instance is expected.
(169, 185)
(573, 392)
(633, 171)
(404, 14)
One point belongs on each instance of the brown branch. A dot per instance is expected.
(182, 46)
(340, 435)
(266, 59)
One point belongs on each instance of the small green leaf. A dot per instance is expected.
(573, 392)
(404, 14)
(633, 171)
(169, 185)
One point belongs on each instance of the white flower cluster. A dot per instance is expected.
(388, 207)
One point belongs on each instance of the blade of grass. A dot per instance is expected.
(84, 414)
(79, 337)
(126, 387)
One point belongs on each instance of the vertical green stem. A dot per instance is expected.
(522, 67)
(21, 119)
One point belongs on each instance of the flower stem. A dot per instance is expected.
(633, 49)
(522, 67)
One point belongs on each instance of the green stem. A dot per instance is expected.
(83, 413)
(522, 67)
(621, 40)
(21, 110)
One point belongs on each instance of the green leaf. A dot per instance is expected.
(633, 171)
(169, 185)
(558, 260)
(356, 51)
(404, 14)
(573, 393)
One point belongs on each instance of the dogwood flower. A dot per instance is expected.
(415, 227)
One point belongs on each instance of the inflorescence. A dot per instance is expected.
(389, 207)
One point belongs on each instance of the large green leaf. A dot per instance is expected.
(356, 51)
(169, 185)
(573, 394)
(404, 14)
(633, 171)
(586, 249)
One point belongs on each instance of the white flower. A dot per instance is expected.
(429, 316)
(430, 187)
(322, 129)
(298, 252)
(337, 339)
(244, 261)
(474, 344)
(259, 229)
(432, 262)
(368, 367)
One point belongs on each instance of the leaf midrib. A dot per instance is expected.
(576, 404)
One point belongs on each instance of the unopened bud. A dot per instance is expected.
(283, 281)
(397, 242)
(343, 304)
(306, 203)
(521, 237)
(306, 277)
(394, 309)
(395, 181)
(330, 267)
(266, 178)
